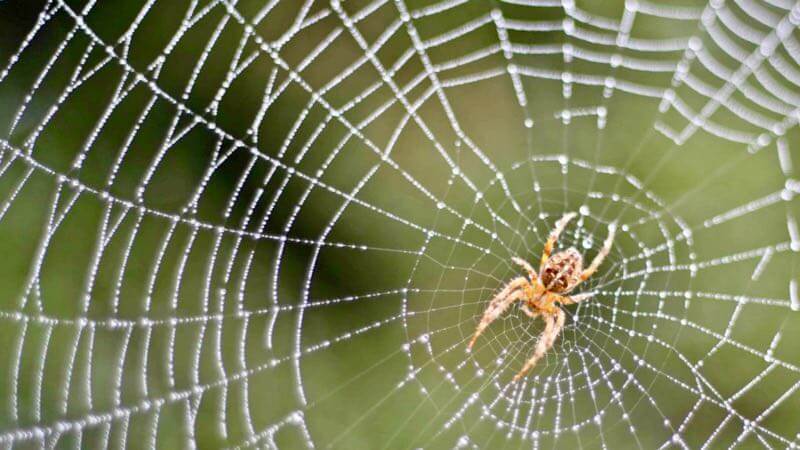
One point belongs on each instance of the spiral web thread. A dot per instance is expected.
(188, 326)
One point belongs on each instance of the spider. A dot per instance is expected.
(544, 295)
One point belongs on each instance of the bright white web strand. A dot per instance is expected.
(295, 418)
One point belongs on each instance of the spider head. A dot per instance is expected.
(562, 271)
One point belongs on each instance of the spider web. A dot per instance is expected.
(276, 223)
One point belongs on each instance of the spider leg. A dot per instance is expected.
(500, 303)
(529, 313)
(612, 229)
(553, 325)
(572, 299)
(551, 240)
(525, 265)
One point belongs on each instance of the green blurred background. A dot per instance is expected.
(201, 255)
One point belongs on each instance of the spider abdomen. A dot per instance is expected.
(562, 270)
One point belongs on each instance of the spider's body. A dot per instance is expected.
(562, 271)
(543, 294)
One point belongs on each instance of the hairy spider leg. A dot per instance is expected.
(553, 325)
(525, 265)
(529, 313)
(513, 291)
(612, 230)
(551, 240)
(572, 299)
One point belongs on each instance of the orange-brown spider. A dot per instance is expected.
(543, 295)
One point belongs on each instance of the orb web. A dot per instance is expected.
(276, 223)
